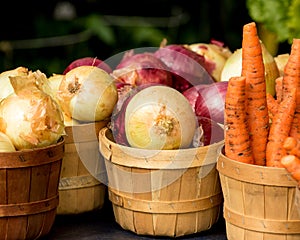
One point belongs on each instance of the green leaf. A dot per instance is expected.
(99, 27)
(273, 14)
(294, 20)
(149, 35)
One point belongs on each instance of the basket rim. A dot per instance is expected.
(103, 134)
(33, 157)
(261, 175)
(157, 159)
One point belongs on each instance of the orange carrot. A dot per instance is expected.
(295, 128)
(292, 146)
(278, 88)
(291, 74)
(290, 143)
(256, 102)
(291, 80)
(272, 105)
(236, 137)
(279, 130)
(292, 165)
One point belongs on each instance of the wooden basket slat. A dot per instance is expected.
(35, 229)
(16, 228)
(39, 176)
(54, 177)
(157, 192)
(28, 188)
(255, 207)
(18, 185)
(80, 189)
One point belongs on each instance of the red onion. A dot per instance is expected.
(88, 61)
(193, 92)
(212, 131)
(186, 65)
(209, 100)
(142, 68)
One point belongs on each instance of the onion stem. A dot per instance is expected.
(164, 124)
(73, 87)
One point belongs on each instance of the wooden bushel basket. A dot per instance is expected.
(165, 192)
(29, 191)
(259, 202)
(81, 187)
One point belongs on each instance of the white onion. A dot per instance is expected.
(215, 57)
(159, 117)
(29, 116)
(233, 66)
(87, 93)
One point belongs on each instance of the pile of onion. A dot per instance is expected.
(88, 61)
(29, 117)
(87, 94)
(186, 66)
(136, 69)
(154, 117)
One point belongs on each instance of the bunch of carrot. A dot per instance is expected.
(260, 128)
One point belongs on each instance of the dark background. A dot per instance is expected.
(104, 28)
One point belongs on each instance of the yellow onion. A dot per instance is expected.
(6, 144)
(159, 117)
(233, 67)
(69, 121)
(5, 86)
(87, 93)
(54, 81)
(29, 116)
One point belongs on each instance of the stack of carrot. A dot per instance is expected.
(260, 128)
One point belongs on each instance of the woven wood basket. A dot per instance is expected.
(81, 186)
(29, 191)
(259, 202)
(162, 193)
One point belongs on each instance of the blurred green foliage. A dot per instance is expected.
(45, 41)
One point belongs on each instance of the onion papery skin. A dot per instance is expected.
(142, 68)
(159, 117)
(30, 118)
(5, 86)
(187, 67)
(87, 94)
